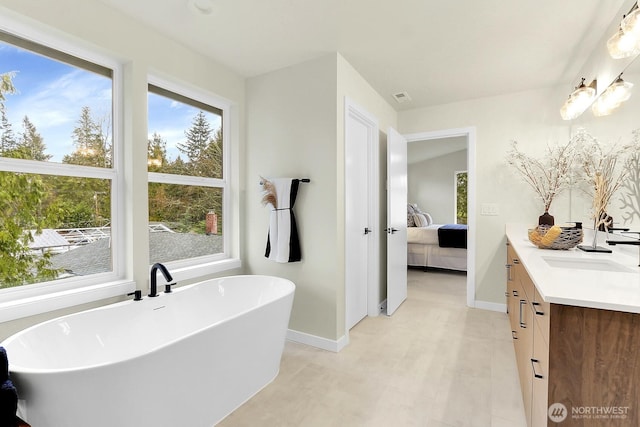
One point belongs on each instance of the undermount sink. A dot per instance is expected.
(587, 264)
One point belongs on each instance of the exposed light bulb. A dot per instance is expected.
(631, 23)
(623, 45)
(578, 101)
(618, 92)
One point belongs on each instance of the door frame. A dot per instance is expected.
(470, 133)
(353, 111)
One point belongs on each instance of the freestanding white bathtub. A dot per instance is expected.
(187, 358)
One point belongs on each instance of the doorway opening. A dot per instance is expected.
(469, 134)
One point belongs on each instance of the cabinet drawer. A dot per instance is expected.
(542, 313)
(540, 378)
(527, 285)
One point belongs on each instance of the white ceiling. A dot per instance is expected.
(438, 51)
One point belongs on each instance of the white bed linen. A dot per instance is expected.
(423, 235)
(433, 256)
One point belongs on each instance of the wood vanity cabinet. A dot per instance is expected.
(587, 359)
(520, 292)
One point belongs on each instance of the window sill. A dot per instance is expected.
(46, 302)
(31, 306)
(198, 271)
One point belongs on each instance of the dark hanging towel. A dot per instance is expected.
(8, 394)
(283, 244)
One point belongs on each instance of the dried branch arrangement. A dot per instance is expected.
(269, 196)
(604, 171)
(630, 197)
(548, 175)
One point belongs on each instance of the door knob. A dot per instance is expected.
(367, 230)
(391, 230)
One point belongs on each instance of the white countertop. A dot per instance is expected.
(609, 290)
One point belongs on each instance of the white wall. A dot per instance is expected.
(531, 119)
(431, 184)
(291, 132)
(96, 27)
(295, 128)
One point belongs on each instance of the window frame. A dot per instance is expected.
(27, 300)
(200, 266)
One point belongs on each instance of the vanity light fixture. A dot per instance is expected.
(626, 41)
(623, 45)
(579, 100)
(618, 92)
(631, 23)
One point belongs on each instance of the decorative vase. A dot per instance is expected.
(545, 219)
(608, 222)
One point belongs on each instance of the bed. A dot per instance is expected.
(435, 245)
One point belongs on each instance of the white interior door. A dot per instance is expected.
(358, 140)
(396, 220)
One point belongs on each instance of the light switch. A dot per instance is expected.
(489, 209)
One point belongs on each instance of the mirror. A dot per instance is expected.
(617, 128)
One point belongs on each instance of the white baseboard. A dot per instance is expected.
(318, 342)
(492, 306)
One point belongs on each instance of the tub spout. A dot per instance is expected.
(154, 284)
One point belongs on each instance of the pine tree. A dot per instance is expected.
(91, 145)
(7, 140)
(30, 142)
(21, 198)
(157, 153)
(198, 138)
(91, 149)
(8, 143)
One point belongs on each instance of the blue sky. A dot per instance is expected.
(52, 95)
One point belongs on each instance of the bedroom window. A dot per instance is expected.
(58, 171)
(461, 197)
(187, 169)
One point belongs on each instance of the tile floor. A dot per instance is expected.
(434, 363)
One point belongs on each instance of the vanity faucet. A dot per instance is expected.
(633, 242)
(154, 284)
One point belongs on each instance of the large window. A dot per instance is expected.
(186, 176)
(64, 185)
(57, 165)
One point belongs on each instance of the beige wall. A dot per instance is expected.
(431, 184)
(295, 128)
(95, 27)
(528, 117)
(291, 127)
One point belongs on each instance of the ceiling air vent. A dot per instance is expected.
(401, 97)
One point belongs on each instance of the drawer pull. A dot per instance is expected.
(522, 324)
(516, 261)
(508, 267)
(515, 293)
(535, 308)
(533, 367)
(514, 335)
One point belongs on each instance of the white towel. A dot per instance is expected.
(282, 242)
